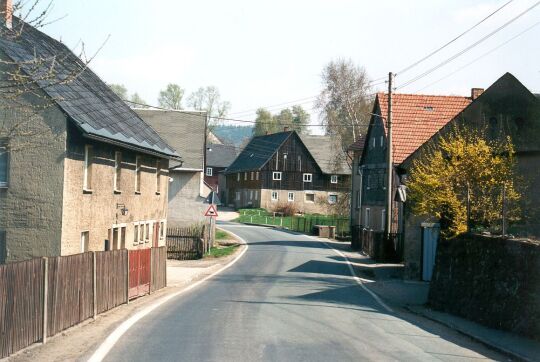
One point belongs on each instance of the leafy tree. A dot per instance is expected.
(264, 123)
(345, 101)
(464, 160)
(209, 99)
(138, 102)
(283, 119)
(120, 90)
(171, 97)
(300, 119)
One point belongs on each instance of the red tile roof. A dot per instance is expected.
(415, 118)
(358, 145)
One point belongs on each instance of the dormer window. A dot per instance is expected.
(334, 179)
(428, 108)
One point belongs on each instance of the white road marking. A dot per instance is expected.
(111, 340)
(358, 280)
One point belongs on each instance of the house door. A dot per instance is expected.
(155, 242)
(430, 237)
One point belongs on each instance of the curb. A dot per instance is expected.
(474, 337)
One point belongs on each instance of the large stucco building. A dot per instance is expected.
(86, 172)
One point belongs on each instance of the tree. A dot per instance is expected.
(300, 119)
(138, 102)
(283, 119)
(460, 162)
(24, 75)
(345, 101)
(209, 99)
(264, 123)
(171, 97)
(120, 90)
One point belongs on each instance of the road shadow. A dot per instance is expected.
(292, 243)
(322, 267)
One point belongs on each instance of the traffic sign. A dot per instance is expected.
(211, 211)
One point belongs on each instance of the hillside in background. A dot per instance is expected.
(233, 134)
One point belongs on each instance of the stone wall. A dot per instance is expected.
(490, 280)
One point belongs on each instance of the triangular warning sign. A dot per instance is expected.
(211, 211)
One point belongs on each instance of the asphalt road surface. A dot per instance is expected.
(289, 298)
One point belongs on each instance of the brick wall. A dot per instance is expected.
(490, 280)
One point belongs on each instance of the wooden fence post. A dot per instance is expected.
(45, 297)
(127, 278)
(151, 269)
(94, 272)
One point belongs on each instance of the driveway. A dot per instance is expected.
(287, 299)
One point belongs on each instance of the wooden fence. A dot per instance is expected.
(185, 243)
(377, 245)
(60, 292)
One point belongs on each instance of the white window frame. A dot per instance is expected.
(252, 176)
(118, 227)
(238, 196)
(276, 194)
(117, 171)
(85, 237)
(367, 217)
(4, 149)
(87, 176)
(332, 195)
(276, 176)
(307, 177)
(290, 196)
(162, 230)
(245, 176)
(136, 233)
(251, 194)
(309, 193)
(158, 177)
(373, 143)
(137, 174)
(209, 171)
(256, 195)
(257, 175)
(238, 176)
(334, 179)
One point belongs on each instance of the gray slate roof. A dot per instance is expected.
(183, 130)
(257, 152)
(260, 149)
(87, 100)
(327, 151)
(219, 155)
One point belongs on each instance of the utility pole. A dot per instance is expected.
(389, 159)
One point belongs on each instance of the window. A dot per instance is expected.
(383, 219)
(368, 183)
(252, 175)
(138, 174)
(158, 177)
(276, 176)
(332, 198)
(310, 197)
(308, 177)
(245, 176)
(88, 159)
(367, 217)
(257, 175)
(237, 195)
(275, 196)
(256, 195)
(147, 232)
(4, 165)
(209, 171)
(373, 140)
(162, 230)
(382, 141)
(299, 163)
(85, 239)
(290, 196)
(3, 247)
(251, 194)
(136, 234)
(238, 176)
(333, 179)
(117, 170)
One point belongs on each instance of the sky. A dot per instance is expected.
(266, 53)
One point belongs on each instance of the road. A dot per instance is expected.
(289, 298)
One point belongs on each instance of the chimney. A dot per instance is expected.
(6, 9)
(286, 129)
(475, 93)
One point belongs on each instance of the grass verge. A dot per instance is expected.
(221, 251)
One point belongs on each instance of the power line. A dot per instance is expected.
(480, 57)
(452, 41)
(431, 70)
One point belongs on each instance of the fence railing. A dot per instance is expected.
(186, 243)
(42, 297)
(377, 245)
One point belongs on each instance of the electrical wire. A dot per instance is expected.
(463, 51)
(451, 41)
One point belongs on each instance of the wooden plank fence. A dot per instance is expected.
(60, 292)
(21, 305)
(185, 243)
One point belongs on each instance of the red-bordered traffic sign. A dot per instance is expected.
(211, 211)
